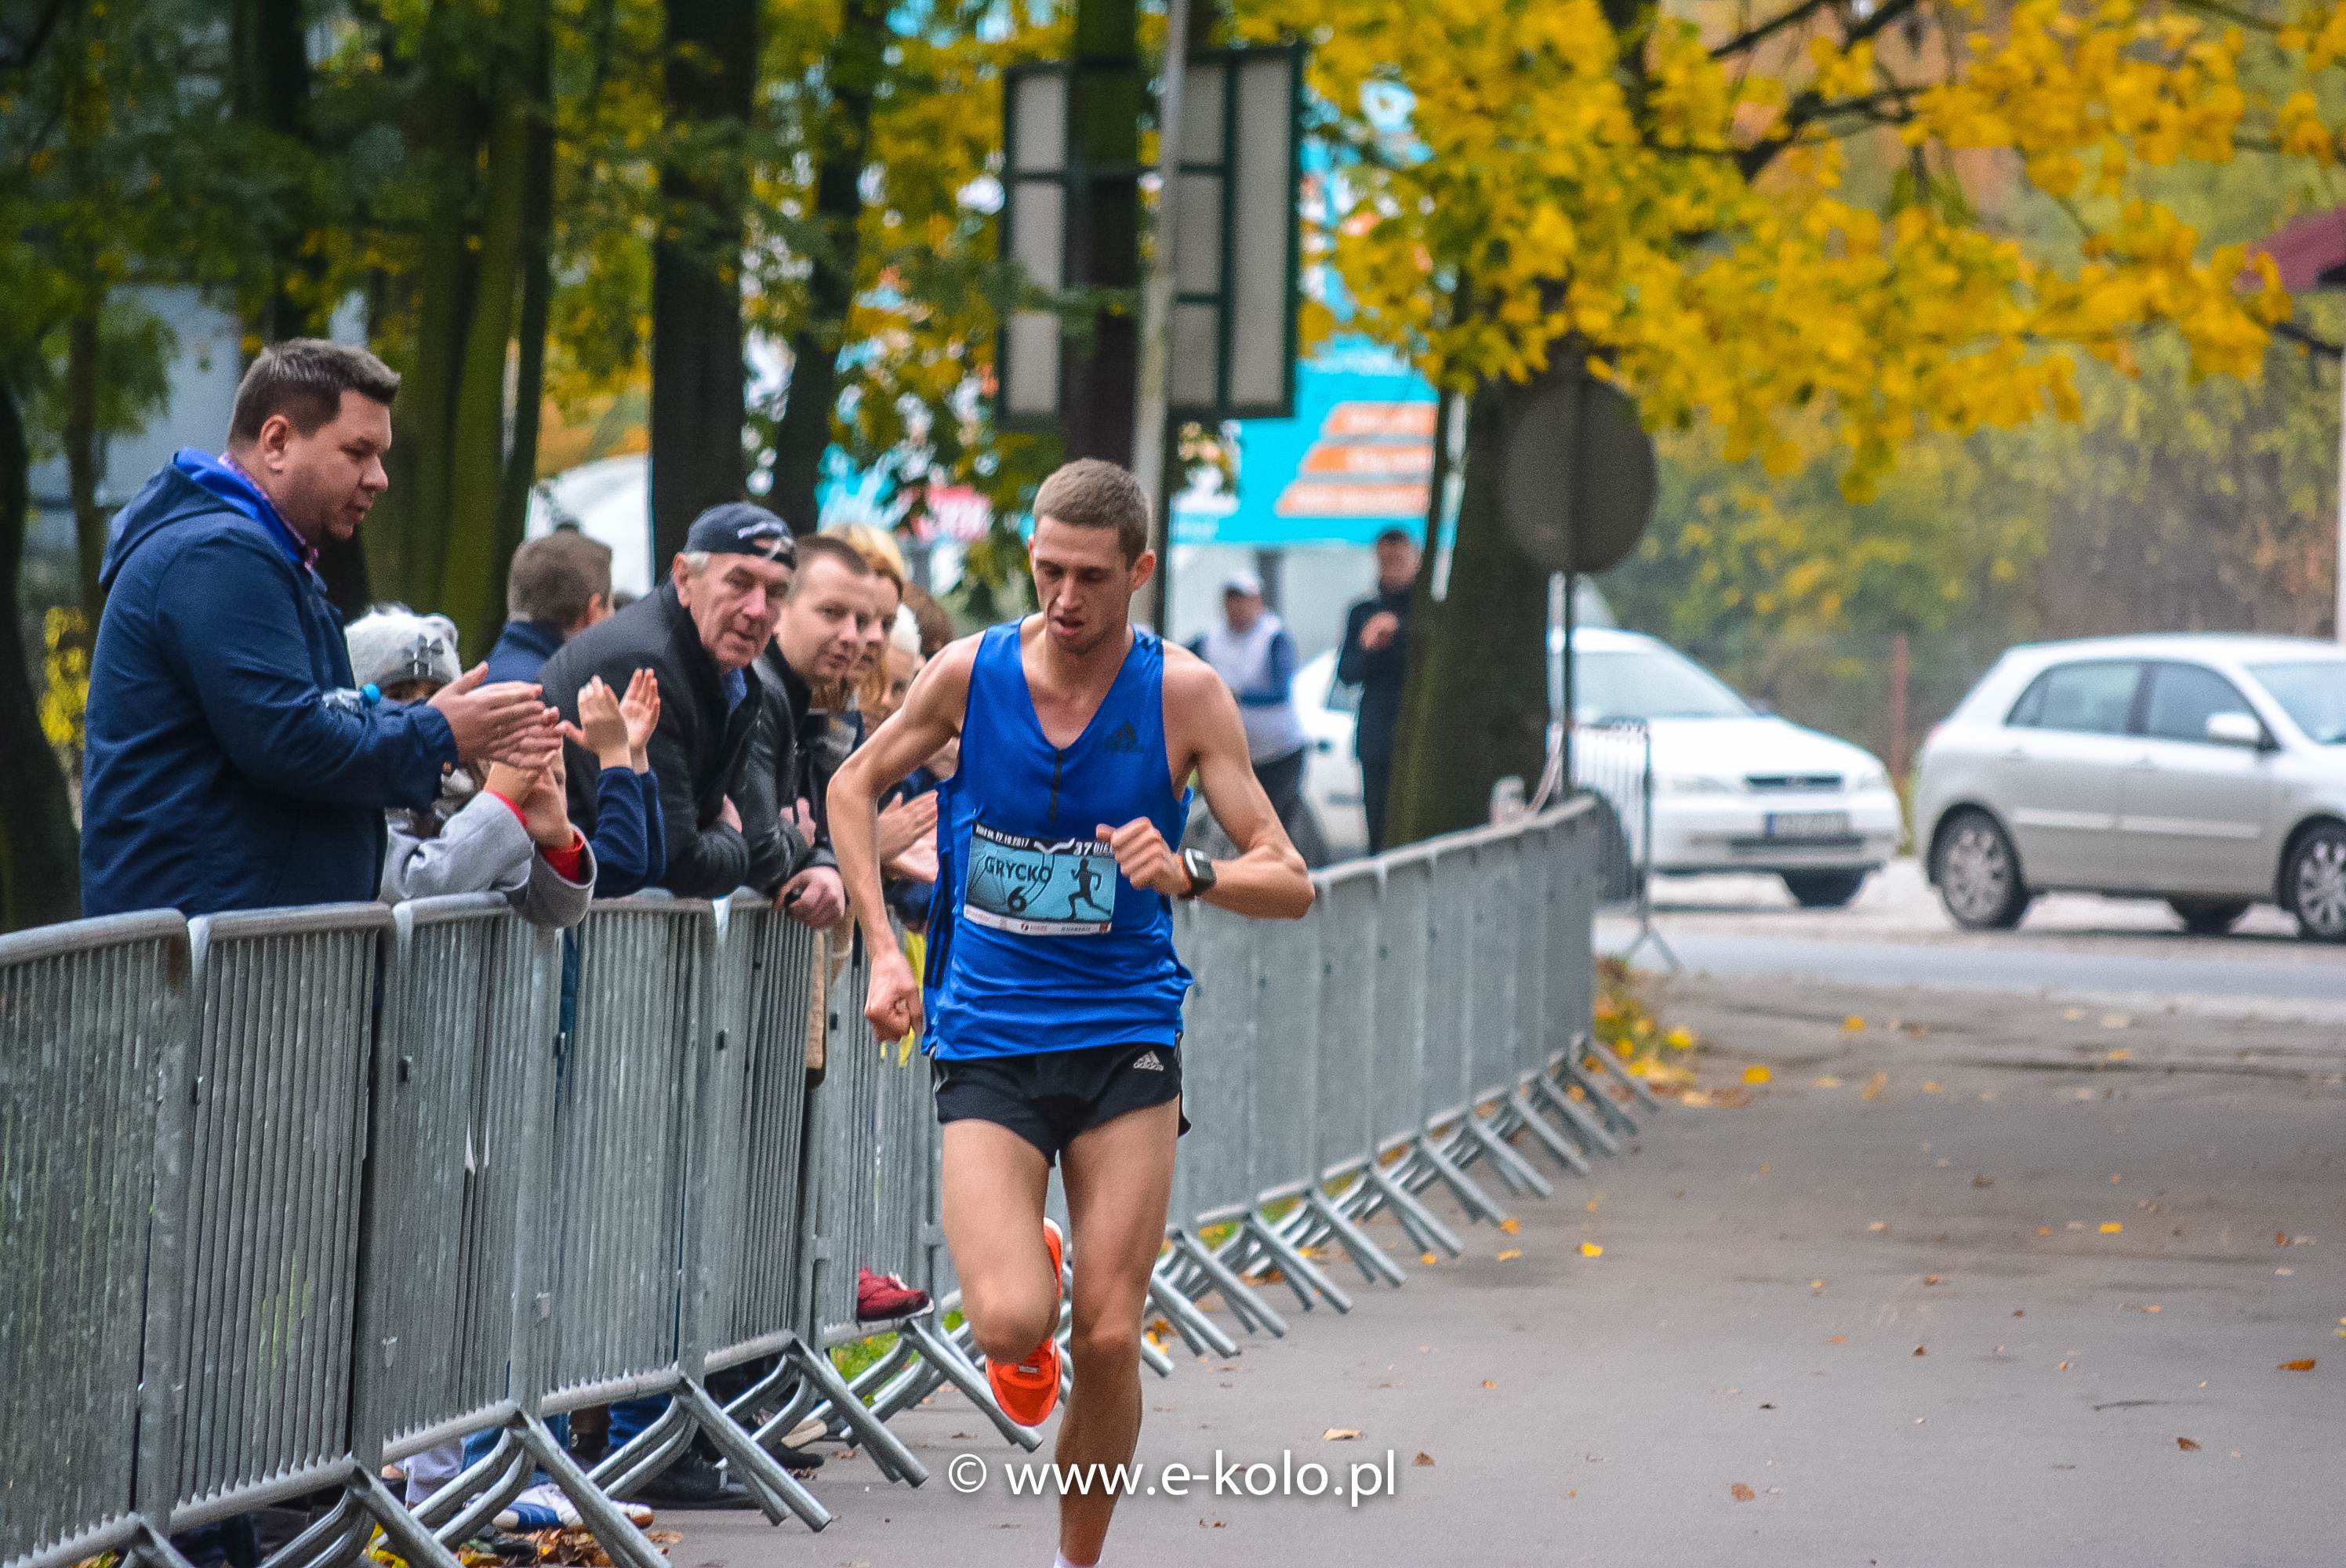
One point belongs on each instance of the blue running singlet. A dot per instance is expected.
(1035, 941)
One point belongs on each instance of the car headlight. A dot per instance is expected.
(1868, 776)
(1696, 784)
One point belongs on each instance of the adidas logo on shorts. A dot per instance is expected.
(1150, 1063)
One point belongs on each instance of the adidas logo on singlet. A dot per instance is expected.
(1122, 738)
(1151, 1063)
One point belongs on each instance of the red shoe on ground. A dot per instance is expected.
(885, 1295)
(1029, 1391)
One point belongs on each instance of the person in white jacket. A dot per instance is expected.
(511, 834)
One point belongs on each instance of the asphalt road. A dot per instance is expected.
(2022, 1299)
(2077, 946)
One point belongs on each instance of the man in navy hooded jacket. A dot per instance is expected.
(231, 763)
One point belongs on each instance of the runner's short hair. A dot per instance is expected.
(1091, 492)
(813, 547)
(553, 577)
(1397, 536)
(304, 379)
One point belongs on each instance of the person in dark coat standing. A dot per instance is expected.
(698, 635)
(1375, 658)
(232, 762)
(556, 585)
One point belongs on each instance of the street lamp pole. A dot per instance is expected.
(1152, 402)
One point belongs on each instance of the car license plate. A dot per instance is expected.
(1808, 824)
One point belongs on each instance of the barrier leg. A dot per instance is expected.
(1479, 1204)
(1586, 1125)
(776, 1490)
(480, 1507)
(408, 1538)
(499, 1461)
(869, 1431)
(1521, 1113)
(941, 1353)
(1370, 1259)
(1606, 1106)
(1197, 1330)
(627, 1546)
(1252, 1263)
(1475, 1135)
(649, 1453)
(1424, 1226)
(1294, 1264)
(1250, 1310)
(1613, 1065)
(321, 1540)
(153, 1549)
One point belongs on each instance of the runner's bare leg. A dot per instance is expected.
(994, 1185)
(1119, 1178)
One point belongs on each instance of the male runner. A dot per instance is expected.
(1054, 1035)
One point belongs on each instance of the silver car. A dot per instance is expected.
(2208, 770)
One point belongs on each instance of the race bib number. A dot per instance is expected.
(1038, 888)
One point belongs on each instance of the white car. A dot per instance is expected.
(1734, 788)
(2208, 770)
(1331, 774)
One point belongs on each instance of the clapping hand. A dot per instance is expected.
(541, 794)
(500, 723)
(906, 823)
(641, 708)
(601, 728)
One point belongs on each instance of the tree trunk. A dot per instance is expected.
(472, 563)
(40, 875)
(270, 80)
(852, 67)
(407, 535)
(1475, 707)
(84, 460)
(698, 394)
(1104, 227)
(529, 338)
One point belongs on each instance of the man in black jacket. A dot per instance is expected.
(698, 634)
(1375, 658)
(815, 640)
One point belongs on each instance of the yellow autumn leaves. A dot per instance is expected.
(1680, 217)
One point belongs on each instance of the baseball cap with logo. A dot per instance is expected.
(742, 528)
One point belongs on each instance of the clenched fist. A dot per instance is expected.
(1145, 858)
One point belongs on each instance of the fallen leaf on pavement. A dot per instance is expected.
(1853, 1023)
(2111, 1227)
(1590, 1249)
(2304, 1366)
(1932, 1279)
(1340, 1434)
(1423, 1458)
(1931, 1088)
(2123, 1054)
(2280, 1238)
(1982, 1181)
(1695, 1097)
(1755, 1073)
(1874, 1085)
(1838, 1340)
(1489, 1384)
(1816, 1284)
(1428, 1260)
(1827, 1082)
(2187, 1445)
(1740, 1493)
(1511, 1255)
(1511, 1225)
(1920, 1351)
(1879, 1225)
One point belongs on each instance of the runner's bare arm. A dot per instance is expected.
(1204, 734)
(931, 715)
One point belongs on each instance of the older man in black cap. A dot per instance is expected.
(699, 635)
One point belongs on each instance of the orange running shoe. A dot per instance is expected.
(1029, 1391)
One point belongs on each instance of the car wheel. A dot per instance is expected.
(1823, 890)
(2316, 883)
(2209, 917)
(1978, 875)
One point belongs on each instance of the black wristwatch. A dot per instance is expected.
(1200, 868)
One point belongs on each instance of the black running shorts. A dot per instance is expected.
(1049, 1098)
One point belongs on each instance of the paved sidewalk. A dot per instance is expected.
(1897, 1320)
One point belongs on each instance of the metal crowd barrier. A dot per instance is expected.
(370, 1180)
